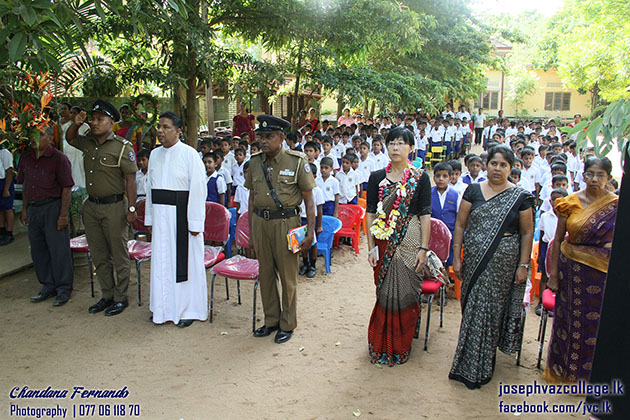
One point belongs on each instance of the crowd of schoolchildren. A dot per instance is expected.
(342, 157)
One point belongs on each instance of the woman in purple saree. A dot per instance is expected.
(578, 273)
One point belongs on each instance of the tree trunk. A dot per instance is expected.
(209, 107)
(192, 107)
(264, 103)
(340, 104)
(594, 97)
(296, 92)
(372, 109)
(179, 100)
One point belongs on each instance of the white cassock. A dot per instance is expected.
(177, 168)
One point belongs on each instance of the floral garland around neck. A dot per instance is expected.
(384, 225)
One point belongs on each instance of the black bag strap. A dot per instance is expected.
(272, 190)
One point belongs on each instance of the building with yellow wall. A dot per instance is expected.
(551, 98)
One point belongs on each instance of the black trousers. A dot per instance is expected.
(50, 249)
(478, 135)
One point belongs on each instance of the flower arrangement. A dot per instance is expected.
(25, 118)
(384, 225)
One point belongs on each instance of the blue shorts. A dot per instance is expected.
(328, 208)
(304, 221)
(353, 201)
(422, 154)
(542, 257)
(365, 184)
(7, 203)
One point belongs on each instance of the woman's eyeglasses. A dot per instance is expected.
(591, 175)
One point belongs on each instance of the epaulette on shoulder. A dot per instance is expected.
(296, 153)
(256, 154)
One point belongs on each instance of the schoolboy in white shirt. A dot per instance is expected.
(379, 158)
(329, 186)
(348, 181)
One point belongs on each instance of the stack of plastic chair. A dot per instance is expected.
(548, 305)
(228, 245)
(139, 251)
(350, 216)
(238, 268)
(330, 226)
(363, 204)
(216, 229)
(437, 154)
(440, 243)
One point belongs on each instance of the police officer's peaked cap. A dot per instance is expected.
(106, 108)
(270, 123)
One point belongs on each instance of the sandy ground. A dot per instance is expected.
(219, 371)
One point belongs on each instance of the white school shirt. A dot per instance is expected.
(458, 134)
(531, 177)
(333, 156)
(422, 142)
(365, 169)
(141, 182)
(340, 148)
(460, 186)
(380, 161)
(229, 161)
(238, 175)
(461, 115)
(511, 131)
(548, 224)
(437, 135)
(226, 174)
(347, 185)
(221, 184)
(486, 132)
(465, 130)
(329, 187)
(6, 162)
(318, 198)
(480, 119)
(241, 196)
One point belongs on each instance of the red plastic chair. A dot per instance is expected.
(139, 251)
(440, 243)
(216, 229)
(350, 216)
(548, 305)
(238, 267)
(79, 245)
(363, 204)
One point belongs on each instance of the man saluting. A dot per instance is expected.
(176, 212)
(278, 180)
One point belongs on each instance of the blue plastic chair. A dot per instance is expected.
(330, 226)
(228, 246)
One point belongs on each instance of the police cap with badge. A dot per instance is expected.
(106, 108)
(270, 123)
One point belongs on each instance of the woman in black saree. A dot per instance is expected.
(495, 226)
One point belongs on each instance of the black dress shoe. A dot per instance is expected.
(40, 297)
(116, 308)
(303, 270)
(264, 331)
(283, 336)
(101, 305)
(311, 272)
(183, 323)
(61, 300)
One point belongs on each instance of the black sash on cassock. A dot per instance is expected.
(179, 199)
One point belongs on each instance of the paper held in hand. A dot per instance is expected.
(297, 235)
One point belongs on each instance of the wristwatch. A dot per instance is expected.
(132, 209)
(525, 266)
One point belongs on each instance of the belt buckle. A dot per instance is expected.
(266, 214)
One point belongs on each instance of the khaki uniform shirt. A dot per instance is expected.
(106, 164)
(290, 175)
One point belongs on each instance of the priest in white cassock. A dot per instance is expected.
(176, 210)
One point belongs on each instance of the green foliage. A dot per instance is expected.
(101, 83)
(606, 130)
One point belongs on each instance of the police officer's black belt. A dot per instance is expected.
(179, 199)
(285, 213)
(43, 202)
(110, 199)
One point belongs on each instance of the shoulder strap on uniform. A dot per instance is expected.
(272, 190)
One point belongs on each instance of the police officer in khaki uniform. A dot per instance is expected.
(278, 181)
(110, 171)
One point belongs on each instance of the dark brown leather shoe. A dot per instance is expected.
(183, 323)
(283, 336)
(101, 305)
(264, 331)
(40, 297)
(116, 308)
